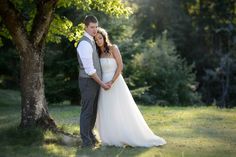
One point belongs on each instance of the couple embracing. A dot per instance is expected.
(105, 98)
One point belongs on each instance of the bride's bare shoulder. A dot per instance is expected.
(114, 50)
(113, 47)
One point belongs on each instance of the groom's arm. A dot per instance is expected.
(98, 80)
(85, 52)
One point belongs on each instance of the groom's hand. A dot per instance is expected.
(109, 84)
(105, 86)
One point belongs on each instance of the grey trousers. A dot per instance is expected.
(89, 90)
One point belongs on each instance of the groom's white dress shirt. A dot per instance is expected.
(85, 51)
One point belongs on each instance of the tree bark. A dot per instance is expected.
(34, 107)
(30, 46)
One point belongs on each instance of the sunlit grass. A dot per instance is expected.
(189, 131)
(204, 131)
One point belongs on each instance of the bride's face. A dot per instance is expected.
(99, 39)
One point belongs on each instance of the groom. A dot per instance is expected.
(89, 81)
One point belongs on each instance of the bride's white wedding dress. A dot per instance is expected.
(119, 121)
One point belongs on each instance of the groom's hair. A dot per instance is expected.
(90, 19)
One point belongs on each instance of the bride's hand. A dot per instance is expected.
(105, 86)
(109, 83)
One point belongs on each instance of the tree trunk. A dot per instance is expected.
(34, 107)
(30, 45)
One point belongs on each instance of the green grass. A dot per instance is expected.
(189, 131)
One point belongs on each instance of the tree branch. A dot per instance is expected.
(13, 21)
(42, 20)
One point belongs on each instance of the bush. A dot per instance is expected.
(165, 72)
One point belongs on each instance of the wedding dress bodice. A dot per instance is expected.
(109, 66)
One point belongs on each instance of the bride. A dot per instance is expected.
(119, 121)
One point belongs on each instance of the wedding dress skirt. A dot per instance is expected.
(119, 121)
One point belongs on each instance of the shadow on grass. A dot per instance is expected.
(216, 126)
(111, 151)
(28, 142)
(21, 142)
(24, 137)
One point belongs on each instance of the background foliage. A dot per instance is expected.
(175, 52)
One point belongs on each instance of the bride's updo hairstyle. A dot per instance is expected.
(107, 42)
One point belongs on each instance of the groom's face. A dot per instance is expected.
(91, 28)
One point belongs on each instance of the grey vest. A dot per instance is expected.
(96, 61)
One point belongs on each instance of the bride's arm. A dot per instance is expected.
(116, 53)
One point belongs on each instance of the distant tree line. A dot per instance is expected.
(179, 52)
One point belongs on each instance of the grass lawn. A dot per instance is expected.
(189, 132)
